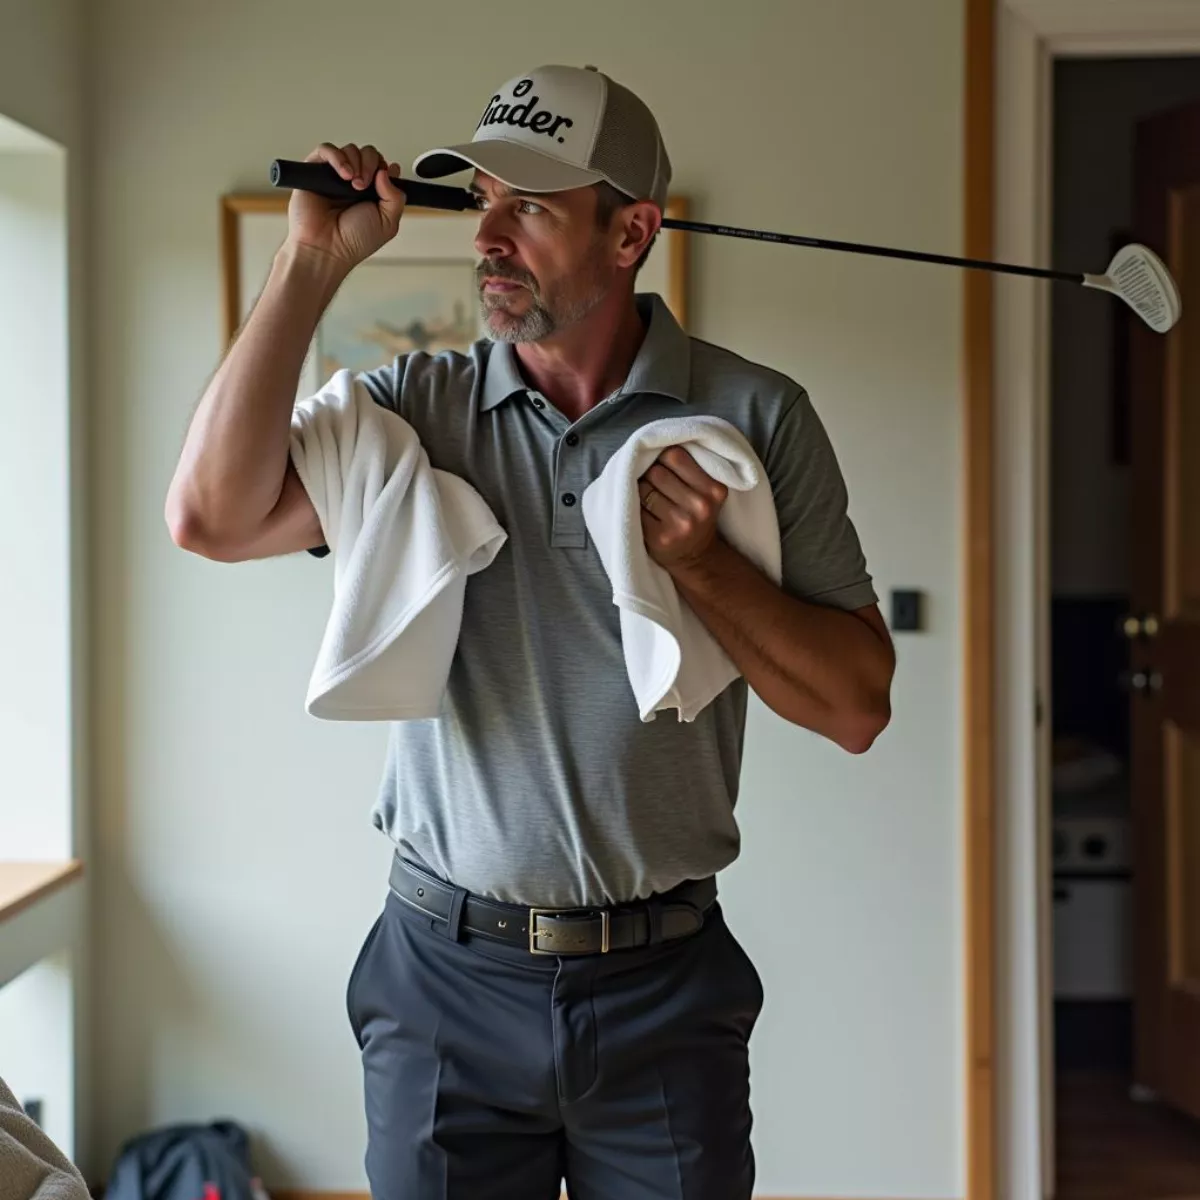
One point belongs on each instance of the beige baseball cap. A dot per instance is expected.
(559, 127)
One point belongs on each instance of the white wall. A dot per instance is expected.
(37, 1059)
(42, 87)
(41, 68)
(35, 645)
(1098, 104)
(238, 868)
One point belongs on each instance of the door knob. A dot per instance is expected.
(1134, 681)
(1142, 681)
(1144, 626)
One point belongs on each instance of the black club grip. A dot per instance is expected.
(322, 179)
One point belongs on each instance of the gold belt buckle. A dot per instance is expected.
(534, 913)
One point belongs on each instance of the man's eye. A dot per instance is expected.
(482, 204)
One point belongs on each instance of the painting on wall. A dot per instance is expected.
(416, 293)
(389, 308)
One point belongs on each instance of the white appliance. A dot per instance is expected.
(1093, 919)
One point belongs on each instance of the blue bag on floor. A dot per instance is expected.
(185, 1162)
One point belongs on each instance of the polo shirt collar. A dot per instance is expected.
(662, 366)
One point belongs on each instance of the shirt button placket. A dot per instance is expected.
(570, 529)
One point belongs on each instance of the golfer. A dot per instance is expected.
(550, 991)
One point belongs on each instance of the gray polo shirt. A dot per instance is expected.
(539, 785)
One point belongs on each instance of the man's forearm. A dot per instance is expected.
(819, 667)
(235, 456)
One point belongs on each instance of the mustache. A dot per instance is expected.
(498, 268)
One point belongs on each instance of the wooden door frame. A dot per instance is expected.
(1009, 1112)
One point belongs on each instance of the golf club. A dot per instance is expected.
(1136, 274)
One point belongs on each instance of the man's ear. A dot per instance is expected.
(638, 223)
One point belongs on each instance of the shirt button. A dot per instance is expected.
(568, 498)
(538, 402)
(572, 439)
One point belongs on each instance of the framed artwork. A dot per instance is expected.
(415, 293)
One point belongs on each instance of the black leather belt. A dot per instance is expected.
(561, 931)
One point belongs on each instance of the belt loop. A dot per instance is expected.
(654, 918)
(454, 919)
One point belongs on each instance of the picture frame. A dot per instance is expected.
(416, 292)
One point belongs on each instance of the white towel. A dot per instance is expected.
(404, 537)
(671, 658)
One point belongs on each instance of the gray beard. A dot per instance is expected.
(532, 326)
(541, 320)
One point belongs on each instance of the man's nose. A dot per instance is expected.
(491, 238)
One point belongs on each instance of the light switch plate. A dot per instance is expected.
(907, 614)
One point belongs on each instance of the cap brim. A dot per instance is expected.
(516, 165)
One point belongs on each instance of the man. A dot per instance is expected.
(506, 1047)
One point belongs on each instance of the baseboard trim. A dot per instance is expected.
(307, 1195)
(276, 1195)
(293, 1194)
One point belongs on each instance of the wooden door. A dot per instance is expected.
(1165, 624)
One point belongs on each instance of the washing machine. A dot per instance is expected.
(1093, 909)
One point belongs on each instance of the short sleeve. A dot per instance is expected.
(381, 383)
(823, 560)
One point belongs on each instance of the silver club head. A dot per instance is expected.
(1142, 280)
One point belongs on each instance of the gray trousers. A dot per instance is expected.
(494, 1074)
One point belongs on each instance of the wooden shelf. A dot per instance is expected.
(24, 883)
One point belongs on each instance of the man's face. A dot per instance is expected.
(545, 263)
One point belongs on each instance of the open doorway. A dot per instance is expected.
(1114, 1137)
